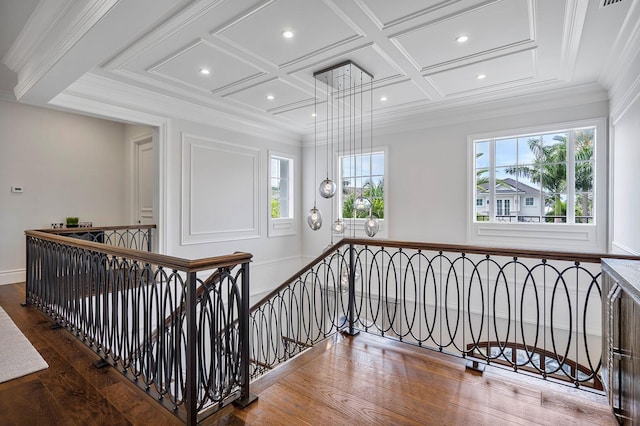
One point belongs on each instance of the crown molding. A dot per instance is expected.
(454, 112)
(622, 101)
(38, 29)
(624, 50)
(44, 48)
(109, 98)
(574, 20)
(7, 95)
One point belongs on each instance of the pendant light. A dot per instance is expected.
(314, 218)
(342, 82)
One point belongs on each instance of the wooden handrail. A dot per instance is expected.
(493, 251)
(171, 262)
(439, 247)
(95, 229)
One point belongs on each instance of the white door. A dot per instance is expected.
(144, 181)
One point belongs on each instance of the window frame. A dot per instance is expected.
(551, 236)
(282, 226)
(358, 223)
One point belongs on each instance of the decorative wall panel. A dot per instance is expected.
(220, 191)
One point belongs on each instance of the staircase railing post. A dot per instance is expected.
(149, 240)
(29, 277)
(191, 384)
(352, 291)
(246, 397)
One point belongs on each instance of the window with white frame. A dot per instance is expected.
(554, 168)
(541, 177)
(362, 175)
(281, 203)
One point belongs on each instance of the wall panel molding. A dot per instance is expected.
(220, 191)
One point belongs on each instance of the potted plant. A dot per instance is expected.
(72, 222)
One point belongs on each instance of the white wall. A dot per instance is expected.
(625, 163)
(427, 179)
(68, 165)
(194, 199)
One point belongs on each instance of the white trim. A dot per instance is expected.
(574, 21)
(64, 39)
(114, 95)
(579, 237)
(284, 226)
(355, 227)
(617, 247)
(133, 143)
(13, 276)
(190, 236)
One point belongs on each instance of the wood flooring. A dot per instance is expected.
(362, 380)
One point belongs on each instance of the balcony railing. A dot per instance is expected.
(535, 312)
(182, 329)
(170, 325)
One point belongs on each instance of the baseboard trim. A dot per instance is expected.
(13, 276)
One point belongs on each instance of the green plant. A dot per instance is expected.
(72, 220)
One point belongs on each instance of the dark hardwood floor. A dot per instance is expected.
(343, 381)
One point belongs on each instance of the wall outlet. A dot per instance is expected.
(17, 189)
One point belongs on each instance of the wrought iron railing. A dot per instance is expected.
(177, 328)
(136, 237)
(536, 312)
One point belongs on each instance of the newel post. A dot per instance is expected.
(190, 403)
(246, 397)
(352, 291)
(29, 272)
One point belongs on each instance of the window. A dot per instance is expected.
(479, 202)
(549, 186)
(281, 195)
(555, 168)
(280, 191)
(362, 175)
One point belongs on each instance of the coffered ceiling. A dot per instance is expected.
(513, 47)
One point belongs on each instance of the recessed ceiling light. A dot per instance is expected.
(287, 34)
(313, 114)
(271, 97)
(462, 38)
(205, 71)
(383, 98)
(481, 76)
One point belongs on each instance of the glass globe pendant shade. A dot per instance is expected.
(361, 204)
(327, 188)
(338, 226)
(314, 219)
(371, 226)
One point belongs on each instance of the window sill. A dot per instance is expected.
(281, 227)
(550, 236)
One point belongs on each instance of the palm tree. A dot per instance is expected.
(583, 167)
(373, 192)
(549, 169)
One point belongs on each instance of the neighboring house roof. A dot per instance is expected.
(509, 185)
